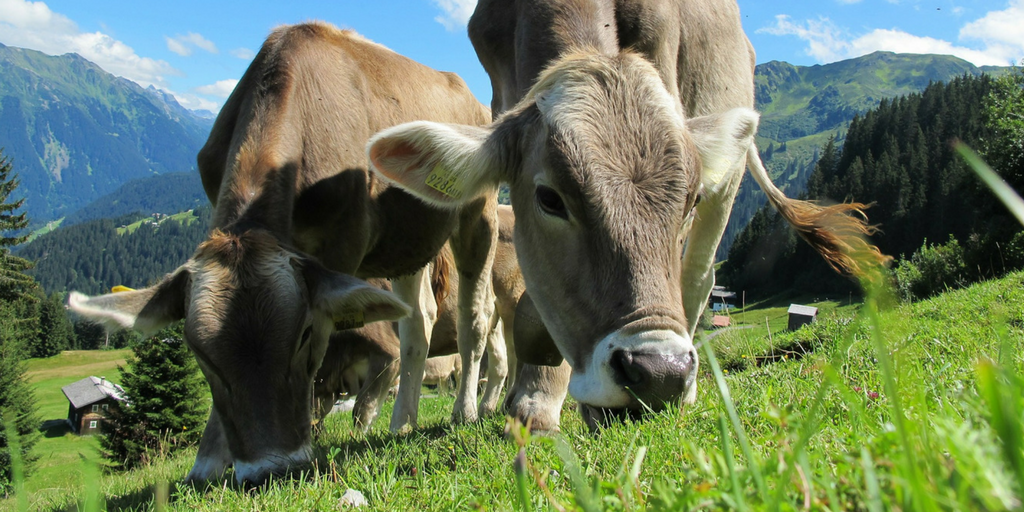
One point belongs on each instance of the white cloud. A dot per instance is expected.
(827, 42)
(243, 53)
(33, 25)
(456, 13)
(1000, 32)
(220, 89)
(183, 44)
(194, 102)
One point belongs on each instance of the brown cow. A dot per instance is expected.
(612, 118)
(295, 207)
(362, 361)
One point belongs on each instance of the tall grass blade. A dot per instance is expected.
(741, 436)
(580, 485)
(730, 463)
(93, 498)
(1006, 416)
(919, 499)
(1002, 190)
(17, 467)
(871, 481)
(522, 491)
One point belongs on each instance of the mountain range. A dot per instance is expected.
(75, 132)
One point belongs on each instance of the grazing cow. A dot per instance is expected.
(612, 119)
(296, 211)
(363, 361)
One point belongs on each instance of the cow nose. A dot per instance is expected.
(654, 377)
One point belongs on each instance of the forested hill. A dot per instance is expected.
(164, 193)
(802, 106)
(75, 132)
(134, 251)
(899, 156)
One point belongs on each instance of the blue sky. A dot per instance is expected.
(198, 49)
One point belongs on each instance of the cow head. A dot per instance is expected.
(257, 316)
(604, 175)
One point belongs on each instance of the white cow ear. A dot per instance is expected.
(445, 165)
(147, 310)
(350, 302)
(722, 141)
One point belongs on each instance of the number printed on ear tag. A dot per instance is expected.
(445, 182)
(352, 320)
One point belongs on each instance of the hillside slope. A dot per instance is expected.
(803, 106)
(75, 132)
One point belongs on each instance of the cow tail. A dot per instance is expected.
(837, 232)
(440, 277)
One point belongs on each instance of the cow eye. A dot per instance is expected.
(306, 334)
(551, 202)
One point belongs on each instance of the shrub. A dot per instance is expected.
(165, 402)
(931, 270)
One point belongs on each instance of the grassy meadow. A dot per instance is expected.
(874, 407)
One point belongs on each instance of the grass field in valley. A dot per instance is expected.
(915, 408)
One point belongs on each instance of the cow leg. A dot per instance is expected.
(537, 396)
(213, 458)
(473, 246)
(414, 335)
(382, 372)
(698, 273)
(497, 367)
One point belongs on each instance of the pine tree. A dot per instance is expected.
(13, 281)
(55, 330)
(17, 405)
(165, 405)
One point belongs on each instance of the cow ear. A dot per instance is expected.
(533, 342)
(445, 165)
(350, 302)
(722, 141)
(147, 310)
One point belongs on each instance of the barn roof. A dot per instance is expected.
(803, 310)
(91, 390)
(721, 293)
(720, 321)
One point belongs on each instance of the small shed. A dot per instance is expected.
(720, 321)
(800, 316)
(721, 299)
(90, 401)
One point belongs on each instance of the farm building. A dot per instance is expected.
(801, 315)
(720, 321)
(90, 401)
(721, 299)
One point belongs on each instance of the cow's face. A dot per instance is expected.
(257, 317)
(604, 175)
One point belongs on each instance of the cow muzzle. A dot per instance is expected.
(257, 472)
(638, 371)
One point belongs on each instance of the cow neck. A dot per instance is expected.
(549, 30)
(261, 200)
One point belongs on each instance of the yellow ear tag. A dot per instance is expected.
(121, 288)
(445, 182)
(352, 320)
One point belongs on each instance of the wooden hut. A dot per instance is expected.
(90, 400)
(801, 315)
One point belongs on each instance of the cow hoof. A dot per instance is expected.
(463, 417)
(598, 418)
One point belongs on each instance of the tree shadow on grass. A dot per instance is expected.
(55, 428)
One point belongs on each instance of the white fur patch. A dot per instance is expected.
(595, 384)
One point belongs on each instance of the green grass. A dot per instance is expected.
(184, 218)
(60, 451)
(50, 226)
(915, 407)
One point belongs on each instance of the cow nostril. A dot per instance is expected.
(626, 369)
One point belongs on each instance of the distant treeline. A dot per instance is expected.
(92, 257)
(899, 157)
